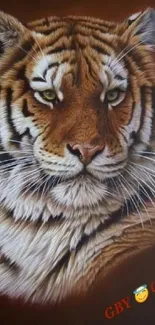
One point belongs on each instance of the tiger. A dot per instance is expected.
(77, 151)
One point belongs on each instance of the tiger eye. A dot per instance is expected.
(49, 94)
(113, 95)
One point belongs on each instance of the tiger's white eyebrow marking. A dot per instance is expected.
(47, 74)
(41, 71)
(112, 75)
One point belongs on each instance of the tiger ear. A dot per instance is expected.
(143, 25)
(11, 31)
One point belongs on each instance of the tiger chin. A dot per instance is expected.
(77, 152)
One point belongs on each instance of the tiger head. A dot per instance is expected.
(77, 99)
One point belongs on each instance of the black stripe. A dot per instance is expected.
(1, 48)
(136, 59)
(55, 40)
(90, 69)
(26, 132)
(52, 220)
(46, 22)
(86, 238)
(16, 136)
(99, 23)
(81, 45)
(5, 156)
(132, 111)
(103, 41)
(42, 22)
(25, 110)
(25, 47)
(50, 30)
(63, 262)
(130, 22)
(123, 136)
(100, 49)
(21, 76)
(133, 137)
(119, 77)
(58, 49)
(38, 79)
(99, 39)
(153, 115)
(142, 95)
(93, 28)
(46, 32)
(54, 64)
(7, 261)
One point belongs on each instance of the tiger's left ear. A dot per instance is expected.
(143, 25)
(11, 31)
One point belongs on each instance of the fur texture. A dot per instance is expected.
(61, 205)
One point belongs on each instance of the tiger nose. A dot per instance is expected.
(85, 152)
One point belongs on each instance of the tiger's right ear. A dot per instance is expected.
(11, 31)
(143, 25)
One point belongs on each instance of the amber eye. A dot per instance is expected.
(113, 95)
(48, 95)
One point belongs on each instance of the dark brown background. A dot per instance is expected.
(107, 9)
(133, 272)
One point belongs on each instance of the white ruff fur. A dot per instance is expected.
(38, 249)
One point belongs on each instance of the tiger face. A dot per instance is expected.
(76, 110)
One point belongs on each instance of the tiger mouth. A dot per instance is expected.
(84, 174)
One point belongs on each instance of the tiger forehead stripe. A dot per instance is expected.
(73, 31)
(51, 24)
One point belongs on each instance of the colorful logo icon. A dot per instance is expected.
(141, 293)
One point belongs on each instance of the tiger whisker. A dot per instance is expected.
(129, 46)
(144, 190)
(115, 182)
(36, 190)
(147, 152)
(151, 171)
(24, 174)
(147, 158)
(29, 56)
(124, 49)
(19, 162)
(27, 53)
(21, 142)
(125, 200)
(41, 50)
(28, 188)
(3, 152)
(132, 199)
(16, 159)
(149, 175)
(127, 52)
(9, 169)
(137, 195)
(45, 184)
